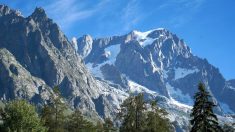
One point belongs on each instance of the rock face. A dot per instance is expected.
(17, 82)
(160, 61)
(35, 56)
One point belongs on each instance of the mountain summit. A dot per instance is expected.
(35, 56)
(160, 61)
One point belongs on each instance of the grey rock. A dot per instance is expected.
(17, 82)
(36, 56)
(158, 60)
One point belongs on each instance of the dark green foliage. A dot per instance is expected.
(54, 114)
(136, 118)
(77, 123)
(132, 114)
(203, 117)
(108, 126)
(156, 120)
(99, 127)
(20, 116)
(47, 116)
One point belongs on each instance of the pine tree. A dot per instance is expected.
(20, 116)
(156, 120)
(47, 116)
(108, 125)
(77, 123)
(203, 117)
(53, 114)
(99, 127)
(132, 114)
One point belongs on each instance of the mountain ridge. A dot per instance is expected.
(42, 50)
(142, 42)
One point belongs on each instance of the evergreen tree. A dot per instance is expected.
(156, 120)
(77, 123)
(203, 117)
(132, 114)
(54, 114)
(47, 116)
(20, 116)
(99, 127)
(108, 126)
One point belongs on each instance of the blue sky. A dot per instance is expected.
(207, 26)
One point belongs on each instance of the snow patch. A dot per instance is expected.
(155, 68)
(182, 72)
(173, 101)
(95, 70)
(137, 88)
(112, 52)
(142, 38)
(160, 29)
(230, 87)
(107, 54)
(165, 74)
(141, 35)
(177, 95)
(147, 41)
(75, 43)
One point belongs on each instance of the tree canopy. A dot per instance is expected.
(21, 116)
(203, 117)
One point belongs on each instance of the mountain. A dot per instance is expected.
(158, 60)
(36, 56)
(96, 75)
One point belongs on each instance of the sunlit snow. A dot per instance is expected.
(176, 94)
(95, 70)
(136, 88)
(182, 72)
(142, 38)
(74, 41)
(112, 52)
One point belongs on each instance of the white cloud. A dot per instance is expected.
(67, 12)
(130, 15)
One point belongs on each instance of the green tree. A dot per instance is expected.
(108, 125)
(156, 120)
(47, 116)
(99, 127)
(132, 114)
(77, 123)
(53, 114)
(20, 116)
(203, 117)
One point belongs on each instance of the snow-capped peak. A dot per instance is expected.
(75, 43)
(142, 37)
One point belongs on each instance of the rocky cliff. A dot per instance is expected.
(158, 60)
(36, 56)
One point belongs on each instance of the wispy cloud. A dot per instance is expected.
(182, 4)
(130, 15)
(67, 12)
